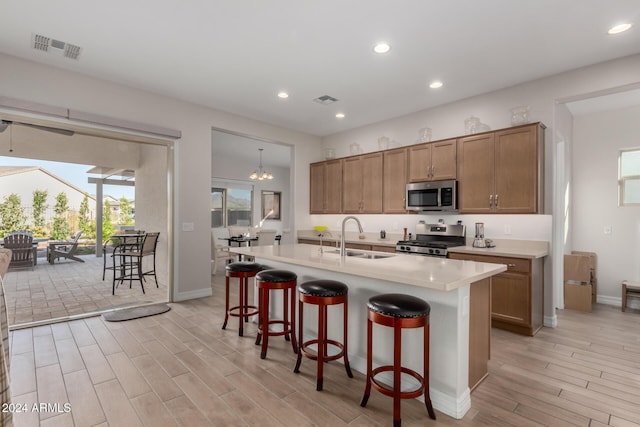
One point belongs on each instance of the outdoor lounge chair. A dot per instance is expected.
(64, 250)
(21, 245)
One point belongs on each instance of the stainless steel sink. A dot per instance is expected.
(358, 254)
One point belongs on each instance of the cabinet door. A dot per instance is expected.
(516, 179)
(316, 190)
(510, 299)
(443, 160)
(352, 185)
(395, 181)
(475, 173)
(333, 186)
(420, 163)
(371, 183)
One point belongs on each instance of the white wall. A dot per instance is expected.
(152, 199)
(34, 82)
(237, 170)
(597, 141)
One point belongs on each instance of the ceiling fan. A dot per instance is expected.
(5, 123)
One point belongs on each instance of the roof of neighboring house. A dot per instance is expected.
(12, 170)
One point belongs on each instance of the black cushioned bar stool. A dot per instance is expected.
(398, 311)
(322, 293)
(267, 281)
(243, 271)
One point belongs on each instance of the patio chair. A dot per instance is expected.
(131, 262)
(23, 251)
(266, 237)
(117, 243)
(219, 251)
(64, 250)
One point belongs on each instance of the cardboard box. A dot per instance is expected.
(593, 262)
(580, 280)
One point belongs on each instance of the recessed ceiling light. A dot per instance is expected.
(381, 48)
(435, 84)
(340, 116)
(620, 28)
(283, 95)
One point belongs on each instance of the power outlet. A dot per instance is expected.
(507, 230)
(608, 229)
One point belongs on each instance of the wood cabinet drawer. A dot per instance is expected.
(381, 248)
(515, 265)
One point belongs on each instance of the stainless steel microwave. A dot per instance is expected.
(432, 196)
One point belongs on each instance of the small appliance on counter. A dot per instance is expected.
(433, 239)
(480, 241)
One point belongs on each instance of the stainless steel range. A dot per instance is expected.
(433, 240)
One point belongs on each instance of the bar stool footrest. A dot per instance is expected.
(286, 331)
(314, 355)
(243, 314)
(389, 391)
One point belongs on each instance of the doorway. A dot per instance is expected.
(68, 289)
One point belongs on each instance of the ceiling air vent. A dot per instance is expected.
(47, 44)
(325, 100)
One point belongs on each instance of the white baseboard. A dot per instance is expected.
(617, 301)
(198, 293)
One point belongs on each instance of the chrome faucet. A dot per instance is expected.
(343, 252)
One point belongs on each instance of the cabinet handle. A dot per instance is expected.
(511, 265)
(490, 200)
(433, 171)
(496, 200)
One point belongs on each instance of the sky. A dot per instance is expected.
(73, 173)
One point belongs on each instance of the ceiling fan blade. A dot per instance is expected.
(49, 129)
(5, 123)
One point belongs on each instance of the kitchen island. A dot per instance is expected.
(445, 284)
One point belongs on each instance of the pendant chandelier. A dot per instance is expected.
(260, 174)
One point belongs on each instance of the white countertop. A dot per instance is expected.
(529, 249)
(428, 272)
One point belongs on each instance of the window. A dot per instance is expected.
(629, 178)
(231, 206)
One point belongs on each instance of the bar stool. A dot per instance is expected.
(267, 281)
(243, 271)
(323, 293)
(398, 311)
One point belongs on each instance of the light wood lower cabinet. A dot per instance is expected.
(479, 331)
(517, 294)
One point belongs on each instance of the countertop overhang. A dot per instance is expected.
(440, 274)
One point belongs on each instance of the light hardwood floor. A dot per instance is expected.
(180, 368)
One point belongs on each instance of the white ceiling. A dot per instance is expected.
(236, 55)
(226, 145)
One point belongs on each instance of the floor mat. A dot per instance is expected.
(135, 313)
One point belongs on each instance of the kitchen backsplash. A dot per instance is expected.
(527, 227)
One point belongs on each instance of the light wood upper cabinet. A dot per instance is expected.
(362, 184)
(502, 171)
(394, 181)
(326, 187)
(433, 161)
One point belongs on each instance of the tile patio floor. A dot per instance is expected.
(70, 288)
